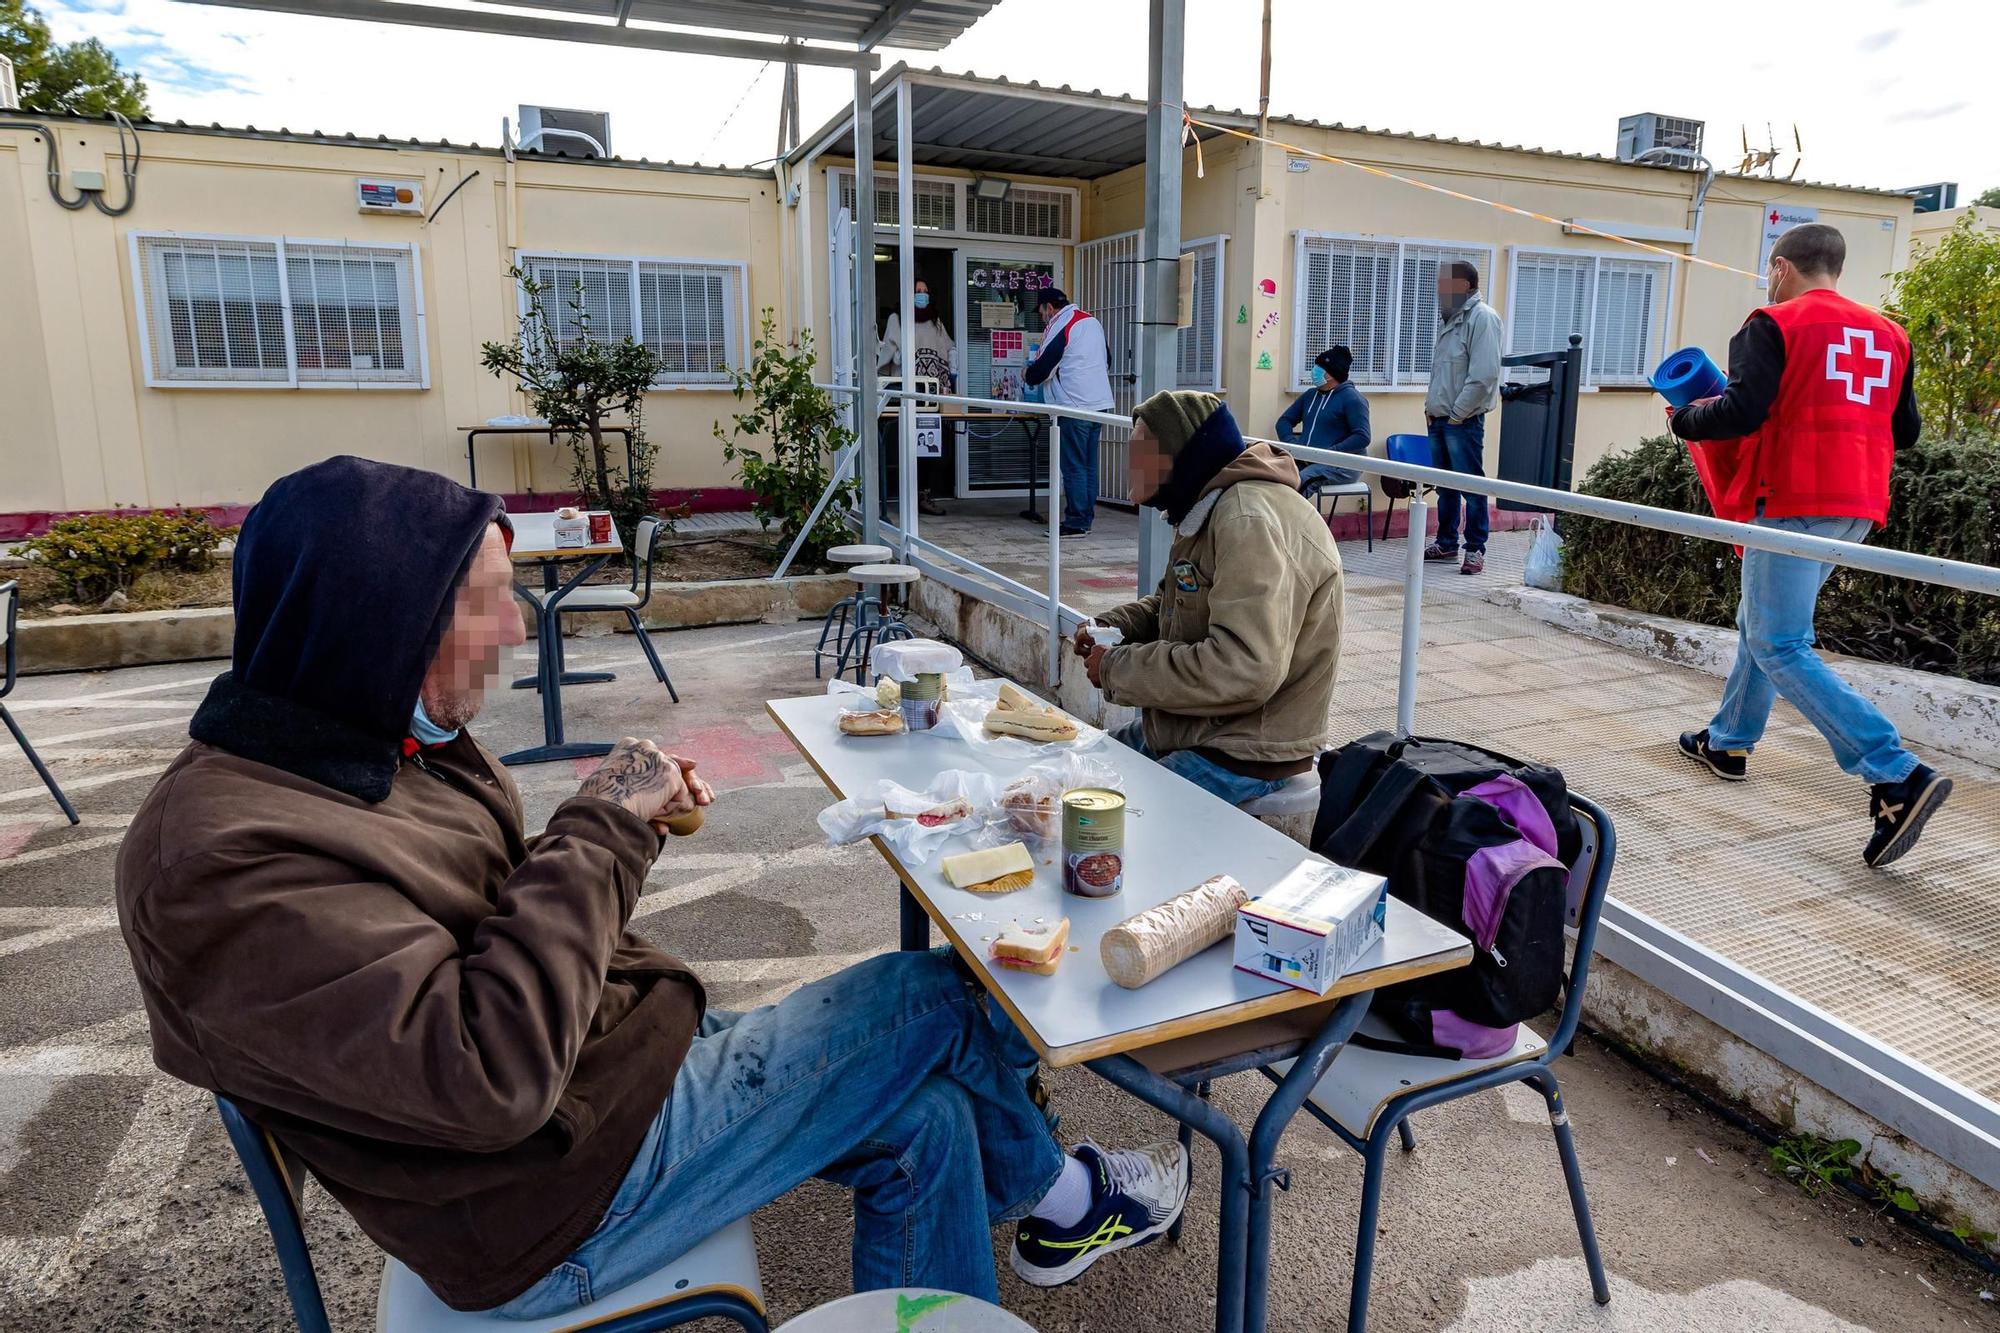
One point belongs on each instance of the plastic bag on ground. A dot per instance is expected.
(1545, 550)
(914, 824)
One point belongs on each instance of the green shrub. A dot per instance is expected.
(98, 554)
(1944, 501)
(800, 425)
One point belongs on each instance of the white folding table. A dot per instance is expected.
(1200, 1021)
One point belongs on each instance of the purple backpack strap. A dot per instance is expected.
(1513, 798)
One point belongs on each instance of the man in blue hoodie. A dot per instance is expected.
(1334, 417)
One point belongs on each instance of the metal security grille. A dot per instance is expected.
(1618, 306)
(1198, 358)
(214, 311)
(1108, 287)
(933, 202)
(1417, 330)
(353, 317)
(689, 314)
(1347, 298)
(1027, 212)
(250, 310)
(689, 320)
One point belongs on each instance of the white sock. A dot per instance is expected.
(1069, 1198)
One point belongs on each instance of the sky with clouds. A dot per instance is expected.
(1888, 93)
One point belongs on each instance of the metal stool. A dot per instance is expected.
(876, 620)
(835, 624)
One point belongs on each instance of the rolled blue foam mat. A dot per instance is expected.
(1688, 376)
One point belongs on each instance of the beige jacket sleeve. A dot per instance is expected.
(1138, 621)
(1253, 619)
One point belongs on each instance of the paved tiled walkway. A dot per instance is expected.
(1768, 873)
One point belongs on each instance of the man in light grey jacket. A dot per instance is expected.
(1465, 386)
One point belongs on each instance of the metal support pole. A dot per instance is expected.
(1159, 304)
(868, 410)
(1055, 550)
(906, 304)
(1413, 613)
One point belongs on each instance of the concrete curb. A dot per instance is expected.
(1934, 712)
(147, 638)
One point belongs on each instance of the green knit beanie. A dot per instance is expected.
(1174, 415)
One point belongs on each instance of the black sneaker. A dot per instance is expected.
(1729, 765)
(1900, 810)
(1135, 1196)
(1074, 532)
(1435, 553)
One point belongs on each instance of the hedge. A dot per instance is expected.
(1944, 501)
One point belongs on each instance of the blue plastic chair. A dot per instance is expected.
(1370, 1094)
(715, 1280)
(9, 607)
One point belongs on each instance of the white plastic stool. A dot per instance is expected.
(908, 1307)
(1292, 808)
(875, 620)
(835, 625)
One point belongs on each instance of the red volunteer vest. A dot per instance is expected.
(1827, 445)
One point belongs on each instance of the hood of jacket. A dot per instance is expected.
(1258, 462)
(343, 585)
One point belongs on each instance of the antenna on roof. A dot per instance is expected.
(1766, 159)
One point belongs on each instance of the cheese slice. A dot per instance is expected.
(970, 869)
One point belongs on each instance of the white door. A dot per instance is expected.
(1108, 287)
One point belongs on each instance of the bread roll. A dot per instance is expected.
(1044, 725)
(1142, 947)
(885, 722)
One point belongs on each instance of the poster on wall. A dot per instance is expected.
(929, 436)
(1779, 219)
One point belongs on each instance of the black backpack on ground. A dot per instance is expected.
(1477, 841)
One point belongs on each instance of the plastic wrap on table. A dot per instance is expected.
(1142, 947)
(904, 660)
(968, 717)
(1031, 804)
(914, 824)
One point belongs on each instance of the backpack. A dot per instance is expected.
(1477, 841)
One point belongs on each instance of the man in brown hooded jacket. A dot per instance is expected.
(1231, 662)
(338, 921)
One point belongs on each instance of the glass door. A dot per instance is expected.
(1002, 335)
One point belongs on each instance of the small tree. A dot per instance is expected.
(1989, 198)
(1949, 299)
(800, 425)
(574, 380)
(77, 79)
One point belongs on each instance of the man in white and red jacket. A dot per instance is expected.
(1820, 397)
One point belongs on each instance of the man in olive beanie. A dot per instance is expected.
(1231, 661)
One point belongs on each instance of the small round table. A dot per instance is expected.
(907, 1310)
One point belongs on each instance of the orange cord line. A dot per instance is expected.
(1190, 123)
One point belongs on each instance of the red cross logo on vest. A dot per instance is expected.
(1857, 346)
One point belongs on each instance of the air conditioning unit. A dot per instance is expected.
(1940, 197)
(562, 130)
(1643, 133)
(10, 92)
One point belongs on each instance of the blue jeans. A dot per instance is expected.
(1462, 449)
(1774, 655)
(1079, 472)
(1325, 474)
(889, 1078)
(1204, 773)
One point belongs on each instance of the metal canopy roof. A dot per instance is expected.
(979, 124)
(923, 25)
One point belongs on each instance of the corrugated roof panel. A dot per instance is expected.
(927, 26)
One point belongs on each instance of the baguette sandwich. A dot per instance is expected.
(955, 809)
(1037, 949)
(884, 722)
(1019, 714)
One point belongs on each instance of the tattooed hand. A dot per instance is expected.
(643, 779)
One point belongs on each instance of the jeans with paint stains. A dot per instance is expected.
(889, 1078)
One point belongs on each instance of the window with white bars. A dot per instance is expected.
(1199, 356)
(948, 204)
(1378, 298)
(1617, 304)
(256, 310)
(688, 313)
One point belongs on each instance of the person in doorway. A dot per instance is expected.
(1232, 661)
(933, 356)
(338, 919)
(1465, 386)
(1332, 415)
(1823, 390)
(1073, 370)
